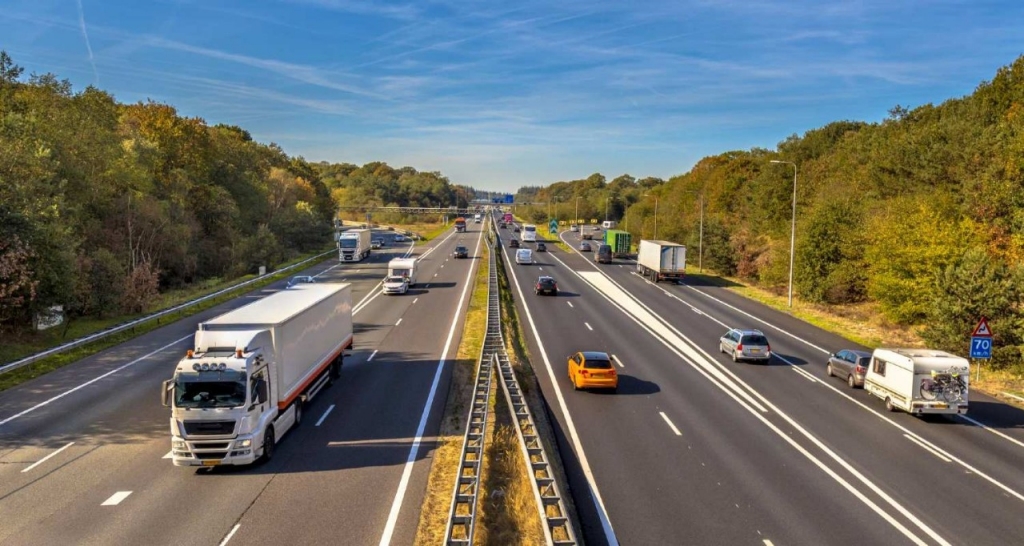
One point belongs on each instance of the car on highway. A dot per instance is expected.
(377, 244)
(585, 246)
(460, 252)
(515, 229)
(524, 256)
(395, 284)
(399, 238)
(541, 247)
(514, 243)
(300, 279)
(849, 364)
(546, 285)
(603, 255)
(745, 345)
(574, 228)
(592, 369)
(502, 225)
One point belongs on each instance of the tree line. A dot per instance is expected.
(105, 205)
(921, 214)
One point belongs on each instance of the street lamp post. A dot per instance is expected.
(655, 215)
(701, 243)
(792, 234)
(576, 215)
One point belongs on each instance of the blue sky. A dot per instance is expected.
(500, 95)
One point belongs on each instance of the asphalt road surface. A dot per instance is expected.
(83, 450)
(697, 449)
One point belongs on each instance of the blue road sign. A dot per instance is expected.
(509, 199)
(981, 347)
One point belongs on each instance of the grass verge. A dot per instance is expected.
(54, 362)
(434, 512)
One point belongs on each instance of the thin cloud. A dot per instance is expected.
(88, 46)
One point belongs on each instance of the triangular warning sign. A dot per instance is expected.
(981, 330)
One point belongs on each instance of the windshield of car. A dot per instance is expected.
(395, 278)
(546, 282)
(460, 249)
(597, 364)
(222, 389)
(755, 340)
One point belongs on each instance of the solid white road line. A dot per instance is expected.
(673, 427)
(803, 373)
(399, 322)
(768, 542)
(116, 498)
(587, 324)
(373, 354)
(928, 449)
(230, 534)
(324, 416)
(570, 303)
(617, 361)
(46, 458)
(93, 380)
(588, 473)
(403, 484)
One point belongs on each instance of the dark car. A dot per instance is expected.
(514, 243)
(515, 229)
(850, 365)
(461, 252)
(603, 254)
(585, 246)
(541, 247)
(546, 285)
(502, 225)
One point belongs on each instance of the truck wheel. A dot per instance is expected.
(335, 371)
(298, 413)
(268, 444)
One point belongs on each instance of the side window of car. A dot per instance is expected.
(843, 355)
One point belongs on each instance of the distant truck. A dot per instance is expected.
(661, 261)
(403, 267)
(244, 383)
(619, 241)
(919, 380)
(460, 224)
(477, 218)
(507, 218)
(354, 245)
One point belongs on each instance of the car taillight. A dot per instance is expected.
(768, 348)
(739, 346)
(585, 373)
(611, 372)
(861, 369)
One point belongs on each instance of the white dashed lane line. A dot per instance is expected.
(116, 498)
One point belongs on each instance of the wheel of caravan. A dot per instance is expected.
(888, 404)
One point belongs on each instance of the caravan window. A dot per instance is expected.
(879, 366)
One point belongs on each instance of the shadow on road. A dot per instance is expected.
(630, 385)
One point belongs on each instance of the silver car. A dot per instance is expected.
(849, 364)
(745, 345)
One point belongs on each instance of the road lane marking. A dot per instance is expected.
(427, 285)
(435, 274)
(255, 297)
(595, 493)
(990, 429)
(588, 326)
(324, 416)
(373, 354)
(768, 542)
(570, 303)
(803, 373)
(230, 534)
(403, 484)
(399, 322)
(617, 361)
(116, 498)
(91, 381)
(673, 427)
(928, 449)
(415, 300)
(46, 458)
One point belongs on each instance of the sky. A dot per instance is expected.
(498, 95)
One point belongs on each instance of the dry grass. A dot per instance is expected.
(434, 512)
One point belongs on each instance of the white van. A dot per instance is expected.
(524, 256)
(919, 380)
(608, 224)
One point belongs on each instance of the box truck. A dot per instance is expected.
(354, 245)
(619, 241)
(460, 224)
(661, 261)
(244, 383)
(919, 380)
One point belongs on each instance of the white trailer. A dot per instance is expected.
(354, 245)
(244, 383)
(661, 261)
(919, 380)
(403, 267)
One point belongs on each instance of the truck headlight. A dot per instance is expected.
(239, 444)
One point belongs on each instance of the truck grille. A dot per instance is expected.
(209, 428)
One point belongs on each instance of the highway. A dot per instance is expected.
(84, 449)
(697, 449)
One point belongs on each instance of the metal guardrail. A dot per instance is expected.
(120, 328)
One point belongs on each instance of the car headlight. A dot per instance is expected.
(239, 444)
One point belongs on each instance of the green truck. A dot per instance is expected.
(619, 241)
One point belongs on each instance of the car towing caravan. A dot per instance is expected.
(919, 381)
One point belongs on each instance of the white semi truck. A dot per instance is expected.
(244, 383)
(661, 261)
(354, 245)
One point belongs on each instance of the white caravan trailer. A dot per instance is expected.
(919, 380)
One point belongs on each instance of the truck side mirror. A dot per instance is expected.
(165, 394)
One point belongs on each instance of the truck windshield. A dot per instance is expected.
(209, 390)
(347, 243)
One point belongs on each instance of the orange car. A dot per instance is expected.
(592, 369)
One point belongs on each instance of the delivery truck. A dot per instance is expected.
(354, 245)
(460, 224)
(619, 241)
(661, 261)
(250, 371)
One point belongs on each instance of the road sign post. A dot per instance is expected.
(981, 343)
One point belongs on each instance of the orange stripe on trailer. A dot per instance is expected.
(327, 362)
